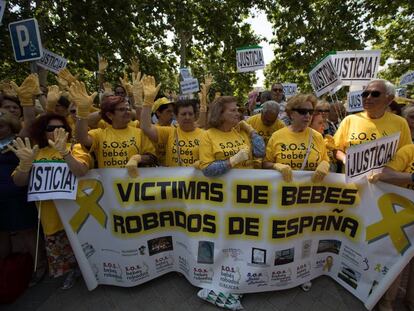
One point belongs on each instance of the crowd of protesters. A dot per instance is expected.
(64, 122)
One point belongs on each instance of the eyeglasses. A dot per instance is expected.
(303, 111)
(277, 90)
(123, 109)
(51, 128)
(322, 110)
(365, 94)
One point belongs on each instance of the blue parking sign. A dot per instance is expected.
(25, 39)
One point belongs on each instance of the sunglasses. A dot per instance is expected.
(304, 112)
(123, 109)
(322, 110)
(365, 94)
(277, 90)
(51, 128)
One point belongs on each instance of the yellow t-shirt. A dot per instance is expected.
(49, 216)
(102, 124)
(160, 149)
(219, 145)
(188, 145)
(114, 147)
(288, 147)
(403, 161)
(359, 128)
(263, 130)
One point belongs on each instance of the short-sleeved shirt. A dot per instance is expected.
(359, 128)
(218, 145)
(182, 148)
(263, 130)
(114, 147)
(403, 161)
(288, 147)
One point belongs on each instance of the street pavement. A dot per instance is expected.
(174, 292)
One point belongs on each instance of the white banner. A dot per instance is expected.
(323, 77)
(249, 58)
(365, 158)
(51, 180)
(357, 67)
(246, 231)
(354, 103)
(52, 61)
(2, 8)
(189, 86)
(290, 89)
(407, 78)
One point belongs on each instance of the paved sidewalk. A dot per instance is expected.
(172, 292)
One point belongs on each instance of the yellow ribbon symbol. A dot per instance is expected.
(88, 204)
(393, 222)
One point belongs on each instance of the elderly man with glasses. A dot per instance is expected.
(278, 95)
(372, 123)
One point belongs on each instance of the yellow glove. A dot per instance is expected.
(321, 171)
(29, 88)
(244, 126)
(80, 97)
(25, 153)
(329, 142)
(138, 90)
(125, 83)
(59, 142)
(203, 95)
(132, 166)
(134, 65)
(7, 89)
(103, 64)
(108, 88)
(53, 95)
(63, 84)
(150, 90)
(285, 170)
(66, 75)
(239, 157)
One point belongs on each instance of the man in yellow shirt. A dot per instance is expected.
(266, 123)
(372, 123)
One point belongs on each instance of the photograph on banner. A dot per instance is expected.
(407, 78)
(51, 180)
(249, 58)
(357, 67)
(52, 62)
(324, 77)
(354, 102)
(365, 159)
(127, 232)
(25, 37)
(289, 89)
(401, 92)
(2, 9)
(185, 73)
(189, 86)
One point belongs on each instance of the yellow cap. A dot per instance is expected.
(160, 102)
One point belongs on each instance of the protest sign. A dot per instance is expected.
(52, 61)
(357, 67)
(289, 89)
(364, 158)
(246, 231)
(185, 73)
(323, 77)
(401, 92)
(354, 103)
(249, 58)
(2, 8)
(189, 86)
(51, 180)
(407, 78)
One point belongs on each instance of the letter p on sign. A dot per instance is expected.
(25, 39)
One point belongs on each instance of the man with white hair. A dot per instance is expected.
(372, 123)
(266, 123)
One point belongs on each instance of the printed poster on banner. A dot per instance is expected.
(354, 103)
(290, 89)
(243, 232)
(52, 61)
(407, 78)
(249, 58)
(189, 86)
(323, 77)
(2, 8)
(368, 158)
(357, 67)
(51, 180)
(401, 92)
